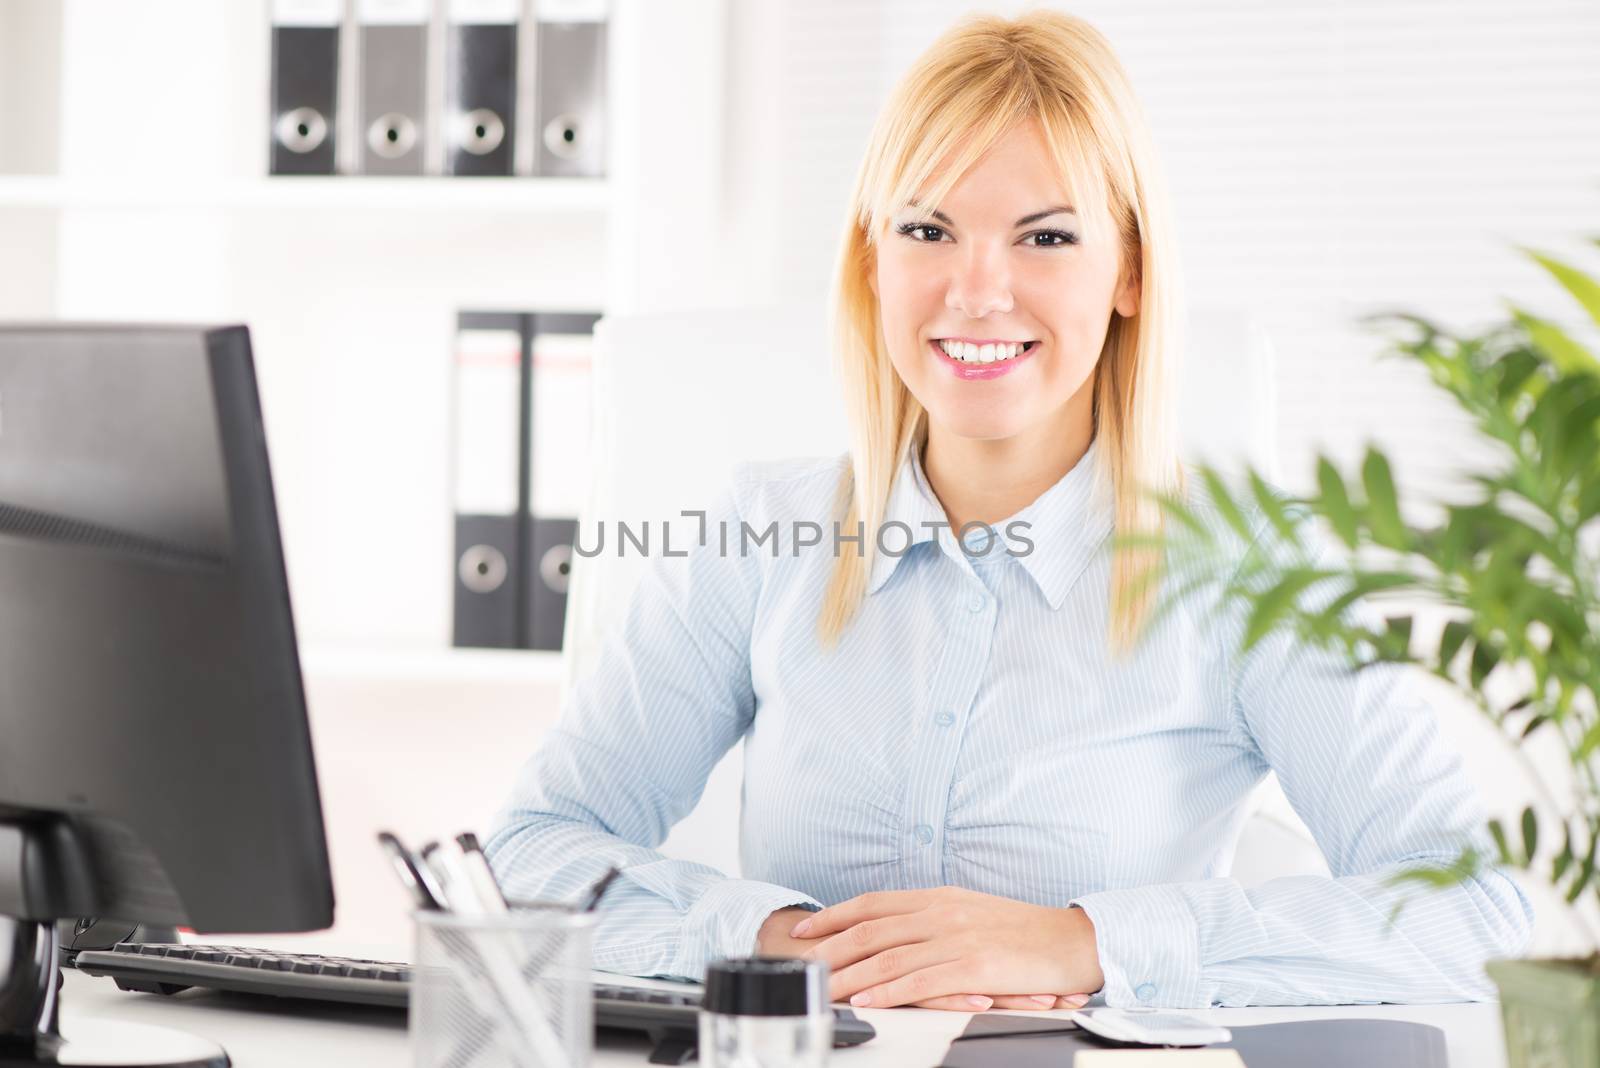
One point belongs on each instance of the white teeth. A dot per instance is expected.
(990, 353)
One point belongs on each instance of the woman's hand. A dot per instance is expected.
(941, 948)
(775, 940)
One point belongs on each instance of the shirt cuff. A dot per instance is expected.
(726, 919)
(1149, 947)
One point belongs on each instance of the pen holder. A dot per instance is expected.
(509, 990)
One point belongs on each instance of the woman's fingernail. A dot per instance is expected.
(799, 930)
(863, 998)
(978, 1001)
(1046, 1000)
(1077, 1001)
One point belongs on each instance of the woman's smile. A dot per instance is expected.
(979, 362)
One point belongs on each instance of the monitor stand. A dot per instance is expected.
(42, 873)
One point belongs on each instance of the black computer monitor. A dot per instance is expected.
(155, 761)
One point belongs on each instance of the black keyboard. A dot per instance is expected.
(669, 1018)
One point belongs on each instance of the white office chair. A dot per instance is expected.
(681, 397)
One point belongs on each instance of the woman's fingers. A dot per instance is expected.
(981, 1002)
(957, 1003)
(1037, 1002)
(918, 981)
(890, 964)
(836, 918)
(865, 939)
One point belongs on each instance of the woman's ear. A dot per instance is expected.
(1128, 296)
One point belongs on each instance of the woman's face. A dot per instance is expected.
(988, 267)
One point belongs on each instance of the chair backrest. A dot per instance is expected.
(681, 397)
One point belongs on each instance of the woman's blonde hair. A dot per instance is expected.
(978, 81)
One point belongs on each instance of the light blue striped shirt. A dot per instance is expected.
(973, 729)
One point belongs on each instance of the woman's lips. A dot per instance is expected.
(973, 372)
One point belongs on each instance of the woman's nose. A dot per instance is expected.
(981, 284)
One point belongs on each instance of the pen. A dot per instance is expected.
(445, 876)
(599, 888)
(479, 874)
(411, 877)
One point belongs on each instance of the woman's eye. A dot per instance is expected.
(911, 228)
(1057, 238)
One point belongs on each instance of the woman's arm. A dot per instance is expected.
(1360, 757)
(669, 695)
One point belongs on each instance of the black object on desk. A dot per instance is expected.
(1018, 1042)
(159, 765)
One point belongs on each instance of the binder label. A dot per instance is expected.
(307, 12)
(484, 11)
(392, 12)
(488, 420)
(570, 10)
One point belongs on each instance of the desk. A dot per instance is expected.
(310, 1037)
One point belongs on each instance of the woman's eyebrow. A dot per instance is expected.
(1059, 209)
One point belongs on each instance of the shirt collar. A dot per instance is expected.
(1066, 525)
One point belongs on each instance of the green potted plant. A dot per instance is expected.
(1497, 593)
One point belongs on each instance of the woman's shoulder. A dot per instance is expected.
(792, 488)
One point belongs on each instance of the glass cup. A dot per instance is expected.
(510, 990)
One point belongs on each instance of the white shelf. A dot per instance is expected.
(533, 667)
(344, 192)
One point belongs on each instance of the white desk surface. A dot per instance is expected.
(907, 1038)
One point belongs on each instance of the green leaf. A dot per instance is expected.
(1585, 873)
(1456, 632)
(1530, 835)
(1383, 508)
(1586, 748)
(1273, 507)
(1568, 355)
(1272, 605)
(1225, 505)
(1484, 660)
(1336, 502)
(1514, 371)
(1580, 285)
(1175, 507)
(1397, 629)
(1498, 833)
(1563, 860)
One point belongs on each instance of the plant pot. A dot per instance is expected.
(1551, 1010)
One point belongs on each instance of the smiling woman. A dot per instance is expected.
(1010, 193)
(982, 779)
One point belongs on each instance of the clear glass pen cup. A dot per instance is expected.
(509, 990)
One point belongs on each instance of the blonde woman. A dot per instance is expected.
(972, 779)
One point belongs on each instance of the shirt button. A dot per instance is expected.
(1145, 991)
(976, 604)
(944, 719)
(924, 833)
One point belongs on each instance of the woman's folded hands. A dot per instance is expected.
(947, 948)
